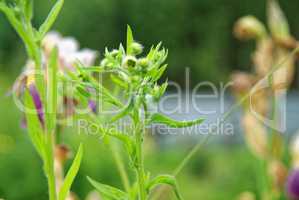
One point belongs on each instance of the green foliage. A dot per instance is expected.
(20, 15)
(51, 106)
(192, 35)
(139, 77)
(108, 192)
(73, 171)
(34, 126)
(45, 27)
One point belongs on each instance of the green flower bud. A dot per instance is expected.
(143, 62)
(104, 62)
(158, 91)
(114, 52)
(136, 48)
(129, 61)
(249, 27)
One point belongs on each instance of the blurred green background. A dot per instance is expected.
(198, 34)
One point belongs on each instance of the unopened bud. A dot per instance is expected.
(136, 48)
(143, 62)
(156, 92)
(114, 52)
(104, 62)
(249, 27)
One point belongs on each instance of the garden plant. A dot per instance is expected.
(63, 85)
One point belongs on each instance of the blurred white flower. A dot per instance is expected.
(69, 52)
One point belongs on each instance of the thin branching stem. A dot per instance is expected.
(140, 160)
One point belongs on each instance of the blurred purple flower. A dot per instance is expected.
(68, 54)
(293, 185)
(92, 105)
(37, 102)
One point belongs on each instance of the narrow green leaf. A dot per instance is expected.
(159, 73)
(154, 51)
(165, 179)
(130, 40)
(28, 9)
(73, 171)
(83, 91)
(108, 192)
(51, 105)
(46, 26)
(162, 119)
(163, 88)
(33, 124)
(19, 28)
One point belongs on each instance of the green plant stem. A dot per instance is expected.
(140, 161)
(33, 48)
(49, 164)
(51, 184)
(118, 158)
(120, 166)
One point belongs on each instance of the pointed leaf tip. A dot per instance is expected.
(130, 40)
